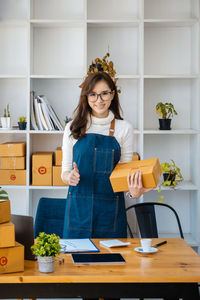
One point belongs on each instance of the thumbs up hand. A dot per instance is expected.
(74, 176)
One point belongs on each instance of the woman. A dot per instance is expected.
(95, 141)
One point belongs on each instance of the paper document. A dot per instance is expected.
(113, 243)
(77, 245)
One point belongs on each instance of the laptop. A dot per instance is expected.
(24, 233)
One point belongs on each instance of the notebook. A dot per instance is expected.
(77, 245)
(24, 233)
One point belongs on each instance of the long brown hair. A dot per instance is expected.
(79, 123)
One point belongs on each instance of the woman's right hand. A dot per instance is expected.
(74, 177)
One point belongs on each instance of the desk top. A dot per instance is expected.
(175, 261)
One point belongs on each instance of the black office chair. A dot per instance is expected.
(146, 218)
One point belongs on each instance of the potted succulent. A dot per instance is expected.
(46, 248)
(166, 111)
(22, 123)
(3, 194)
(6, 119)
(103, 65)
(171, 176)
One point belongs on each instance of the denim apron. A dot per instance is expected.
(93, 210)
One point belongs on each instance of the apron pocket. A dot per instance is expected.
(103, 160)
(105, 213)
(79, 214)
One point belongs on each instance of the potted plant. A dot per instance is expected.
(3, 194)
(103, 65)
(171, 176)
(67, 119)
(22, 123)
(46, 248)
(166, 111)
(6, 119)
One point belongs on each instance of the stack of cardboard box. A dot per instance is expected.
(57, 181)
(42, 168)
(13, 161)
(11, 252)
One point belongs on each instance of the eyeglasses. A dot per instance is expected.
(105, 96)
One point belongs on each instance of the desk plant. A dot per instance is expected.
(3, 194)
(103, 65)
(171, 176)
(22, 123)
(166, 111)
(6, 119)
(46, 248)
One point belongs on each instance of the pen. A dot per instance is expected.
(159, 244)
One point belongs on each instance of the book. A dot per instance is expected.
(77, 245)
(37, 114)
(43, 121)
(33, 118)
(46, 114)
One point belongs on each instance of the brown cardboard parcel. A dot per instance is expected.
(42, 168)
(7, 235)
(13, 149)
(13, 177)
(13, 163)
(12, 259)
(57, 181)
(150, 168)
(58, 157)
(5, 215)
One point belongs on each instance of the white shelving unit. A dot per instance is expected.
(155, 46)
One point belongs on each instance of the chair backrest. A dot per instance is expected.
(146, 218)
(50, 216)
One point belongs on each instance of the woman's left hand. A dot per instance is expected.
(135, 185)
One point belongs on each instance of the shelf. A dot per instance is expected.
(45, 132)
(184, 185)
(17, 187)
(2, 76)
(14, 23)
(57, 76)
(169, 22)
(57, 23)
(176, 131)
(172, 76)
(31, 187)
(112, 23)
(17, 131)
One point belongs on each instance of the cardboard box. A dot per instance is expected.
(42, 168)
(13, 163)
(57, 181)
(150, 168)
(12, 259)
(58, 157)
(7, 235)
(13, 177)
(135, 156)
(13, 149)
(5, 215)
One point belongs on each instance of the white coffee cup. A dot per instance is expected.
(146, 244)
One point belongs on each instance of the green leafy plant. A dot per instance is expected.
(104, 65)
(6, 112)
(67, 119)
(22, 119)
(3, 194)
(172, 176)
(165, 110)
(46, 245)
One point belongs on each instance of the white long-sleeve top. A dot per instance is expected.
(123, 134)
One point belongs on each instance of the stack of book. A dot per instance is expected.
(43, 116)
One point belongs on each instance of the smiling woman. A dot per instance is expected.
(95, 141)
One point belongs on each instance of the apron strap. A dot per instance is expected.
(112, 128)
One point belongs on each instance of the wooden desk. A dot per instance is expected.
(173, 271)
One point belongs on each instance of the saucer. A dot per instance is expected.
(140, 250)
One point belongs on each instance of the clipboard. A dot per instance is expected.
(77, 246)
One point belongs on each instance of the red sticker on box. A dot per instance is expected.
(42, 170)
(12, 177)
(3, 261)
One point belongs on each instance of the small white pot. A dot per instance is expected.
(46, 264)
(6, 122)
